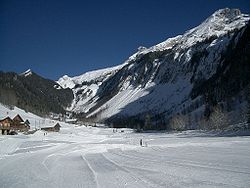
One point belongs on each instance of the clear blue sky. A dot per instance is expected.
(71, 37)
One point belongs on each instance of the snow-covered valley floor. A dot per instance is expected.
(97, 157)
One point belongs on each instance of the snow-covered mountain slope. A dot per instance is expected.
(85, 86)
(159, 79)
(97, 75)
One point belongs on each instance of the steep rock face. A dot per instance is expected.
(162, 79)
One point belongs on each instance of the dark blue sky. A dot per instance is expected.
(71, 37)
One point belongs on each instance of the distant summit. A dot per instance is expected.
(27, 73)
(227, 13)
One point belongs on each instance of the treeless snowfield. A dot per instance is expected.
(97, 157)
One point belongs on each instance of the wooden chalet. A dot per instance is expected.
(18, 118)
(16, 124)
(19, 124)
(5, 125)
(56, 128)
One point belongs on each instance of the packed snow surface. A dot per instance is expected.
(81, 156)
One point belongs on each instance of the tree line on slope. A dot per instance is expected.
(33, 93)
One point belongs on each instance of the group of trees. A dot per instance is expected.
(8, 97)
(212, 118)
(217, 120)
(178, 122)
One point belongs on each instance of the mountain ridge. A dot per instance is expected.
(33, 93)
(162, 78)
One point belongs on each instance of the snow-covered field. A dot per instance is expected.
(96, 157)
(80, 156)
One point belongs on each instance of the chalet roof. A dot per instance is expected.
(57, 125)
(46, 128)
(18, 118)
(27, 121)
(7, 118)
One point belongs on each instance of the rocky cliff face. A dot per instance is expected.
(170, 77)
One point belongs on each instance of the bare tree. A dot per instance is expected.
(148, 123)
(218, 119)
(178, 122)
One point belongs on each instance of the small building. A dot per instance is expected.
(56, 128)
(5, 125)
(27, 122)
(72, 121)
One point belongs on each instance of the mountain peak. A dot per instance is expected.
(141, 48)
(227, 13)
(227, 16)
(65, 77)
(221, 22)
(27, 73)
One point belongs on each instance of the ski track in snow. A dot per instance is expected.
(97, 157)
